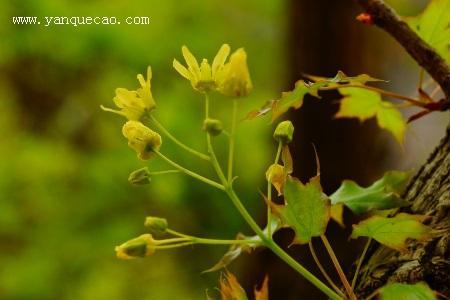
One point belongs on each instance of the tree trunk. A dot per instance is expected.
(429, 194)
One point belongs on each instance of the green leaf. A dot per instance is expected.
(432, 25)
(402, 291)
(393, 232)
(382, 194)
(364, 104)
(236, 250)
(358, 103)
(391, 119)
(292, 99)
(337, 214)
(342, 78)
(306, 209)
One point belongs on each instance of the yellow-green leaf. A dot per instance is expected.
(391, 119)
(402, 291)
(292, 99)
(393, 232)
(358, 103)
(306, 209)
(337, 213)
(364, 104)
(382, 194)
(432, 25)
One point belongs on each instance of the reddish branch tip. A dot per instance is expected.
(365, 18)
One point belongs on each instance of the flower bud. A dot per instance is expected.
(212, 126)
(156, 225)
(140, 177)
(141, 246)
(284, 132)
(141, 138)
(235, 78)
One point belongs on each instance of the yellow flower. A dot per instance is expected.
(203, 77)
(134, 104)
(141, 138)
(234, 78)
(141, 246)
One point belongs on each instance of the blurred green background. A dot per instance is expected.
(64, 197)
(65, 200)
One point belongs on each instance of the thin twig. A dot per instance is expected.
(386, 18)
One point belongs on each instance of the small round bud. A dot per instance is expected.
(156, 225)
(140, 177)
(141, 246)
(284, 132)
(212, 126)
(141, 138)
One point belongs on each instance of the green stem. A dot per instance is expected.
(338, 267)
(198, 240)
(304, 272)
(269, 193)
(164, 172)
(176, 141)
(172, 246)
(171, 241)
(232, 139)
(361, 259)
(268, 242)
(189, 172)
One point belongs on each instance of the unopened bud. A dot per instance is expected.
(212, 126)
(156, 225)
(235, 78)
(284, 132)
(140, 177)
(141, 138)
(141, 246)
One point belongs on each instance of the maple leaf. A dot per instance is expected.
(294, 98)
(403, 291)
(306, 209)
(365, 104)
(433, 26)
(382, 194)
(393, 232)
(337, 213)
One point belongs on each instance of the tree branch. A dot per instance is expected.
(386, 18)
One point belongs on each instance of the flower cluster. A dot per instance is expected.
(231, 79)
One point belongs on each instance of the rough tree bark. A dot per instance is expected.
(428, 191)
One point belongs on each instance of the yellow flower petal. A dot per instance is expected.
(220, 58)
(181, 69)
(191, 61)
